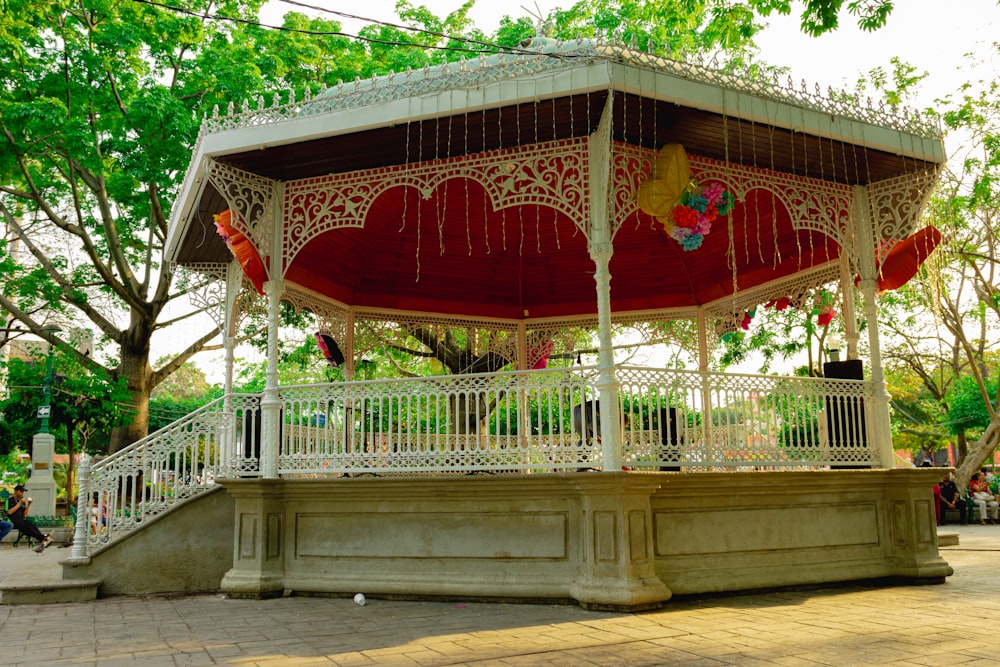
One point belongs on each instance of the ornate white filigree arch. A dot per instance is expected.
(331, 317)
(812, 204)
(205, 284)
(896, 205)
(251, 197)
(552, 174)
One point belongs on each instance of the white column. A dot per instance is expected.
(880, 429)
(523, 423)
(702, 339)
(850, 316)
(599, 161)
(349, 357)
(234, 282)
(706, 388)
(270, 403)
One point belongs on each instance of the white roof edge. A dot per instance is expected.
(491, 73)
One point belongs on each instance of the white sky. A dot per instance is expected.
(932, 35)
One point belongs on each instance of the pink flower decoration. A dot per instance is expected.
(694, 215)
(826, 316)
(712, 192)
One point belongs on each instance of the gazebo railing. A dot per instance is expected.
(122, 491)
(511, 422)
(543, 421)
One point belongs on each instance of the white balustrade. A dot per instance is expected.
(672, 420)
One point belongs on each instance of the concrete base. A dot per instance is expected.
(620, 541)
(184, 550)
(721, 532)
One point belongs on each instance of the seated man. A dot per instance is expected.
(951, 499)
(5, 527)
(17, 512)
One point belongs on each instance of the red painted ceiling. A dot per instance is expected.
(452, 253)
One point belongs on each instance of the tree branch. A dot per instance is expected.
(106, 326)
(197, 346)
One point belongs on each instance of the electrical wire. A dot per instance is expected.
(398, 26)
(491, 48)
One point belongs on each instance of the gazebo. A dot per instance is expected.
(522, 200)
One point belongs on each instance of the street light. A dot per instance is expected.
(46, 408)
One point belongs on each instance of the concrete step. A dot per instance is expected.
(27, 577)
(947, 539)
(47, 592)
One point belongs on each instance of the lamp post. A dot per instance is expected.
(46, 408)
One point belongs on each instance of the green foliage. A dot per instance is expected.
(14, 465)
(797, 418)
(674, 26)
(48, 521)
(81, 402)
(918, 417)
(821, 16)
(968, 412)
(781, 334)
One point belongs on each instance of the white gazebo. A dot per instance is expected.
(499, 209)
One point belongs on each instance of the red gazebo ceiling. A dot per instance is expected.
(437, 255)
(452, 253)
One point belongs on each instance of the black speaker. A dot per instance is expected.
(845, 415)
(670, 438)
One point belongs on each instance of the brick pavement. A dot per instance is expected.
(847, 625)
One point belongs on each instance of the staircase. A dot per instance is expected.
(134, 516)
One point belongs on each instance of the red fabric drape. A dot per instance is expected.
(244, 251)
(905, 258)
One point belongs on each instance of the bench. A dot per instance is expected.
(971, 512)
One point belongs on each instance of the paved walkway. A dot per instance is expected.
(950, 624)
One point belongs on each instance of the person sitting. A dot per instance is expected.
(950, 499)
(5, 527)
(985, 501)
(17, 512)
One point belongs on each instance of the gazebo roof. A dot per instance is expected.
(465, 189)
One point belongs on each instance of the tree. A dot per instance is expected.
(98, 114)
(962, 284)
(183, 392)
(81, 403)
(821, 16)
(783, 329)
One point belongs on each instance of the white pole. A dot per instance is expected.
(599, 161)
(880, 431)
(81, 534)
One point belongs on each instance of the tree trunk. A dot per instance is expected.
(469, 412)
(136, 369)
(978, 453)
